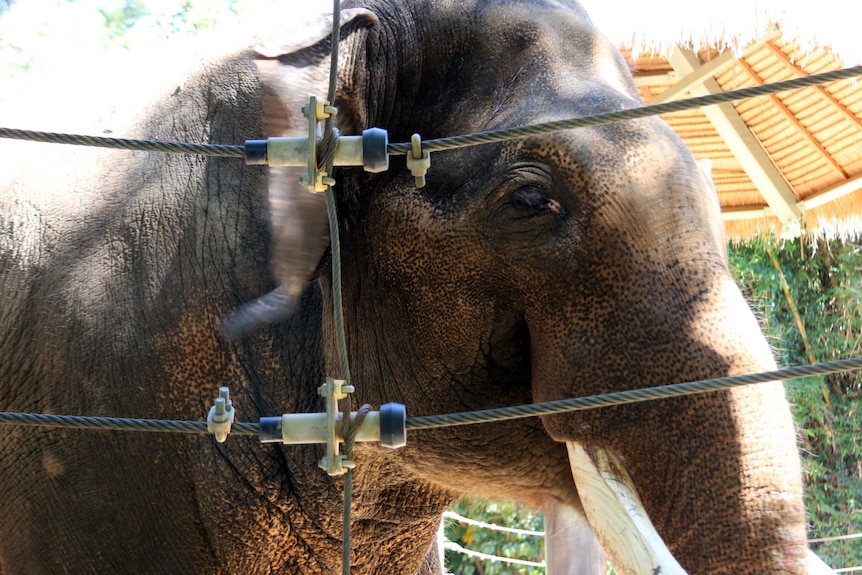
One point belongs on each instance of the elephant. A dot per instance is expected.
(555, 266)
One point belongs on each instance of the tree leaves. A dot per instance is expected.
(490, 542)
(816, 315)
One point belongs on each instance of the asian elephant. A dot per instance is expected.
(556, 266)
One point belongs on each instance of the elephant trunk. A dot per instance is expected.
(718, 473)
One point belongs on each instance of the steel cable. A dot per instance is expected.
(494, 136)
(629, 396)
(349, 429)
(464, 418)
(216, 150)
(455, 142)
(118, 423)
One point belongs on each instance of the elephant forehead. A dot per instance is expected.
(563, 42)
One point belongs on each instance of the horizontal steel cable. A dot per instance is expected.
(216, 150)
(118, 423)
(630, 396)
(836, 538)
(454, 142)
(454, 547)
(455, 419)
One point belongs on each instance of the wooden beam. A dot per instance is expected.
(694, 78)
(833, 193)
(814, 201)
(746, 213)
(848, 115)
(741, 141)
(661, 79)
(800, 127)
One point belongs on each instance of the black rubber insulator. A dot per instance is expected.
(393, 425)
(374, 156)
(255, 153)
(269, 429)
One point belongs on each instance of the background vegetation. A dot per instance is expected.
(488, 542)
(808, 296)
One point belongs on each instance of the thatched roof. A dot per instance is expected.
(776, 160)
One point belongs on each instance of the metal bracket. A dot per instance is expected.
(316, 112)
(221, 415)
(418, 161)
(387, 426)
(333, 390)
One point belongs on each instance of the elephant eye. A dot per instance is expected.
(532, 200)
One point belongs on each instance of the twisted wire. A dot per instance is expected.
(455, 142)
(118, 423)
(330, 136)
(455, 419)
(330, 140)
(216, 150)
(630, 396)
(493, 136)
(349, 431)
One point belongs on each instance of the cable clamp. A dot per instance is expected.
(387, 426)
(221, 415)
(333, 390)
(370, 150)
(418, 161)
(315, 180)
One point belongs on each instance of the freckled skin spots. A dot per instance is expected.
(579, 263)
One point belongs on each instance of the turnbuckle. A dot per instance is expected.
(370, 150)
(367, 150)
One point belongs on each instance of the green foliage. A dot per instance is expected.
(808, 297)
(187, 17)
(489, 542)
(123, 18)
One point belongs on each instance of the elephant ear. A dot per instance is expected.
(291, 67)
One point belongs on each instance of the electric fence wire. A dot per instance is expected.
(629, 396)
(213, 150)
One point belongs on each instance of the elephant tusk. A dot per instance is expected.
(616, 514)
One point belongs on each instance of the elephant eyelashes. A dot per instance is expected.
(531, 200)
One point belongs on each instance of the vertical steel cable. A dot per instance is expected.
(330, 138)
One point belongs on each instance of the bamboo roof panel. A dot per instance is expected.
(812, 137)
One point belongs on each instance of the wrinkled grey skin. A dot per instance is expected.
(578, 263)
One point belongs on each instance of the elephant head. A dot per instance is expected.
(565, 265)
(556, 266)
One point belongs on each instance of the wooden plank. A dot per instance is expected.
(791, 117)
